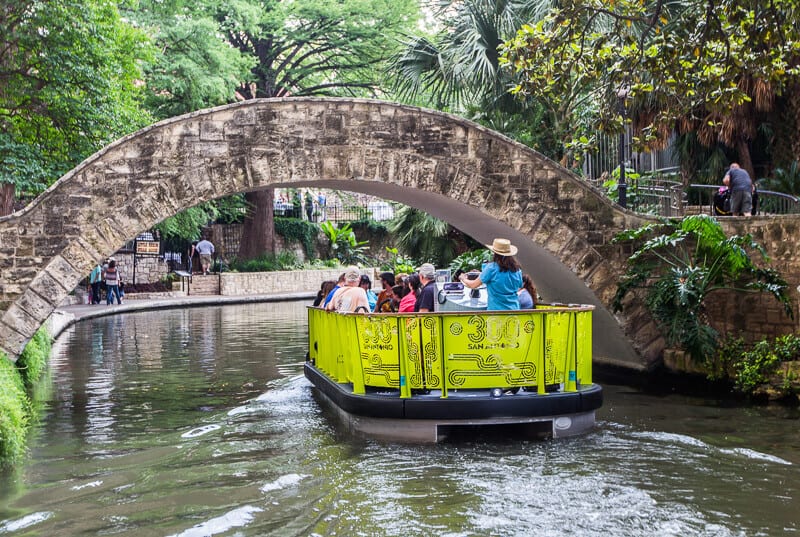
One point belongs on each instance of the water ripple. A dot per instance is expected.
(237, 518)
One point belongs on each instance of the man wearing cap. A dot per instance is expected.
(427, 296)
(502, 277)
(349, 298)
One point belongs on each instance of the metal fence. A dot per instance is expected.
(659, 193)
(768, 202)
(378, 211)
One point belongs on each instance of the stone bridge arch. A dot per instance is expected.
(481, 182)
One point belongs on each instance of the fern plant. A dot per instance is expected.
(678, 263)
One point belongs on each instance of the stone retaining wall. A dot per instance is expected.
(261, 283)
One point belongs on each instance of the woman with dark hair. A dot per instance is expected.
(502, 277)
(412, 285)
(527, 294)
(366, 284)
(324, 289)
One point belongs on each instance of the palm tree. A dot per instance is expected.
(426, 238)
(460, 64)
(458, 69)
(786, 180)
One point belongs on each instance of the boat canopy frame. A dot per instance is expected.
(545, 350)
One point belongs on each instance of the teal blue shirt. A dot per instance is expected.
(501, 287)
(96, 275)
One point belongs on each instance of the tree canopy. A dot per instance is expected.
(69, 84)
(195, 67)
(682, 65)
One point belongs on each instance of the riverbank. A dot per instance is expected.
(65, 316)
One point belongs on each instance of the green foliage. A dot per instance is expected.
(194, 68)
(376, 231)
(691, 65)
(186, 225)
(719, 366)
(14, 408)
(680, 263)
(471, 260)
(424, 237)
(269, 262)
(33, 359)
(611, 185)
(69, 84)
(756, 366)
(457, 69)
(399, 264)
(302, 231)
(309, 47)
(786, 180)
(231, 209)
(343, 243)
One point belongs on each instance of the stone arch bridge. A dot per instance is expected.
(477, 180)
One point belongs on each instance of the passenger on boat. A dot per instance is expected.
(527, 293)
(366, 284)
(427, 295)
(330, 294)
(398, 292)
(409, 300)
(384, 303)
(350, 298)
(502, 277)
(325, 288)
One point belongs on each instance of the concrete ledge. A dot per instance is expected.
(65, 316)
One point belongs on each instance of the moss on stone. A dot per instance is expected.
(16, 381)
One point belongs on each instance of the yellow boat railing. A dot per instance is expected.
(546, 349)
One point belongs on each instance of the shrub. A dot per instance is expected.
(471, 260)
(285, 260)
(757, 366)
(33, 359)
(14, 411)
(399, 263)
(302, 231)
(678, 263)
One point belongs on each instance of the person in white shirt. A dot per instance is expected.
(205, 250)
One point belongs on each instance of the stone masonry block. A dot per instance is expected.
(11, 341)
(36, 306)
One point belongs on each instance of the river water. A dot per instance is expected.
(196, 422)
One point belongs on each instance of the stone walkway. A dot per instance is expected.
(65, 316)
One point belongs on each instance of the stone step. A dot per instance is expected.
(204, 285)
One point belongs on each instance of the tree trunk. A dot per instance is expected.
(794, 123)
(6, 198)
(745, 159)
(258, 229)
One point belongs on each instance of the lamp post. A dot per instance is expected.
(622, 186)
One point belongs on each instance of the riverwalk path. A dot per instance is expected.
(65, 316)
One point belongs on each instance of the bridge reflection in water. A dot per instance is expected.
(397, 373)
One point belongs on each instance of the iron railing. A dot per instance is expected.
(768, 202)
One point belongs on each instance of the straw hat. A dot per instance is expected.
(502, 247)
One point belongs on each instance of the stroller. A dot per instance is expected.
(722, 202)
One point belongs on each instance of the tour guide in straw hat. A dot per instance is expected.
(502, 277)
